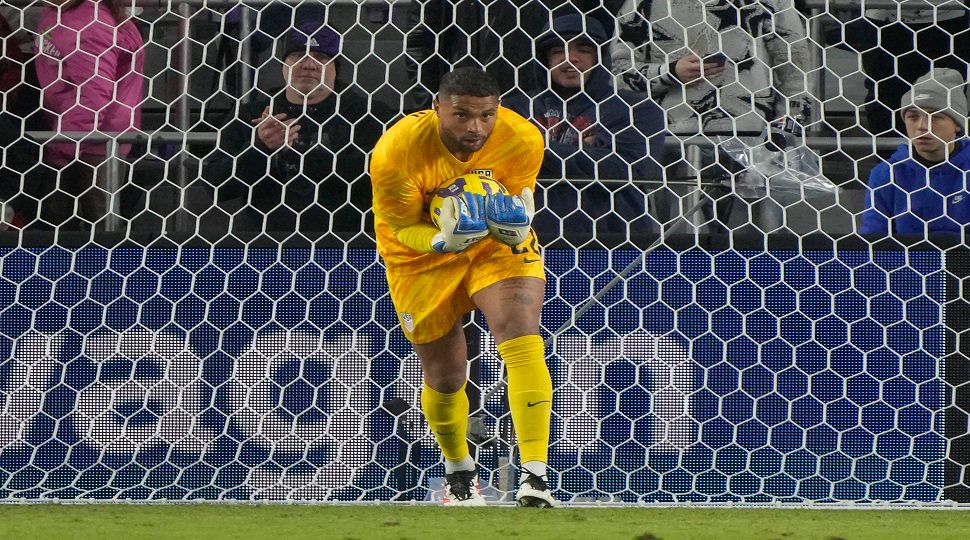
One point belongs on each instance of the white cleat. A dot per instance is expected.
(535, 493)
(462, 489)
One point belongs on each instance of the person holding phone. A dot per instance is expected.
(711, 64)
(721, 68)
(297, 160)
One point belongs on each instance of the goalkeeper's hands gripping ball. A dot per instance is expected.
(461, 223)
(509, 217)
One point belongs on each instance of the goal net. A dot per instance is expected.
(192, 309)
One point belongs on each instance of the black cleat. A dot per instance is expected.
(533, 492)
(462, 489)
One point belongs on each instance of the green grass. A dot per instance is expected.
(291, 522)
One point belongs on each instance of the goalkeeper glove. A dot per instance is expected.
(510, 216)
(461, 223)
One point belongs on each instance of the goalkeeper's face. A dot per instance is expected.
(465, 122)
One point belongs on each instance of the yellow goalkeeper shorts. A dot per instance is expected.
(429, 303)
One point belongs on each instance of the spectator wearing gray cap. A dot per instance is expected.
(296, 159)
(922, 189)
(898, 45)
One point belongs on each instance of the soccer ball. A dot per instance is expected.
(466, 183)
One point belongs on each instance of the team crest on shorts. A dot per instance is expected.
(408, 321)
(487, 173)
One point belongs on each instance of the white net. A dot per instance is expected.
(755, 280)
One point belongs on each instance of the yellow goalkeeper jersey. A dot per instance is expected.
(410, 162)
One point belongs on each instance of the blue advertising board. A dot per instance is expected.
(224, 373)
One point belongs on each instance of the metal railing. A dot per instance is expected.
(115, 177)
(672, 141)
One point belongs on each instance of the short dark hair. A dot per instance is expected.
(468, 81)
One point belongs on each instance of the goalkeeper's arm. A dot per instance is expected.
(462, 223)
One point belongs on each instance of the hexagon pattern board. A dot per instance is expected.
(193, 373)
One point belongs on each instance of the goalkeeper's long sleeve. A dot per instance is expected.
(417, 237)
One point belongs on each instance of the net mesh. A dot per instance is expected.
(192, 307)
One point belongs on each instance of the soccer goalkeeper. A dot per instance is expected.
(483, 255)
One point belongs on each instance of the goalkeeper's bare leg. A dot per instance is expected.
(512, 308)
(445, 405)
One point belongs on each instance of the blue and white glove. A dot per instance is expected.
(461, 223)
(510, 216)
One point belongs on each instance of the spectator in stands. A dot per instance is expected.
(11, 61)
(755, 59)
(24, 178)
(897, 47)
(718, 67)
(297, 157)
(265, 22)
(11, 68)
(18, 78)
(592, 131)
(444, 34)
(21, 20)
(90, 58)
(922, 189)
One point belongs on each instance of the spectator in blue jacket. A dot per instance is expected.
(593, 132)
(922, 189)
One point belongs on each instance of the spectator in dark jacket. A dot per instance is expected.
(445, 34)
(24, 178)
(922, 190)
(11, 61)
(593, 131)
(297, 159)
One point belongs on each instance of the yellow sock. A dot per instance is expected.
(530, 395)
(447, 415)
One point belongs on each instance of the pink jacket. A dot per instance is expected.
(90, 73)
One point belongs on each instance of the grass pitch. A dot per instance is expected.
(291, 522)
